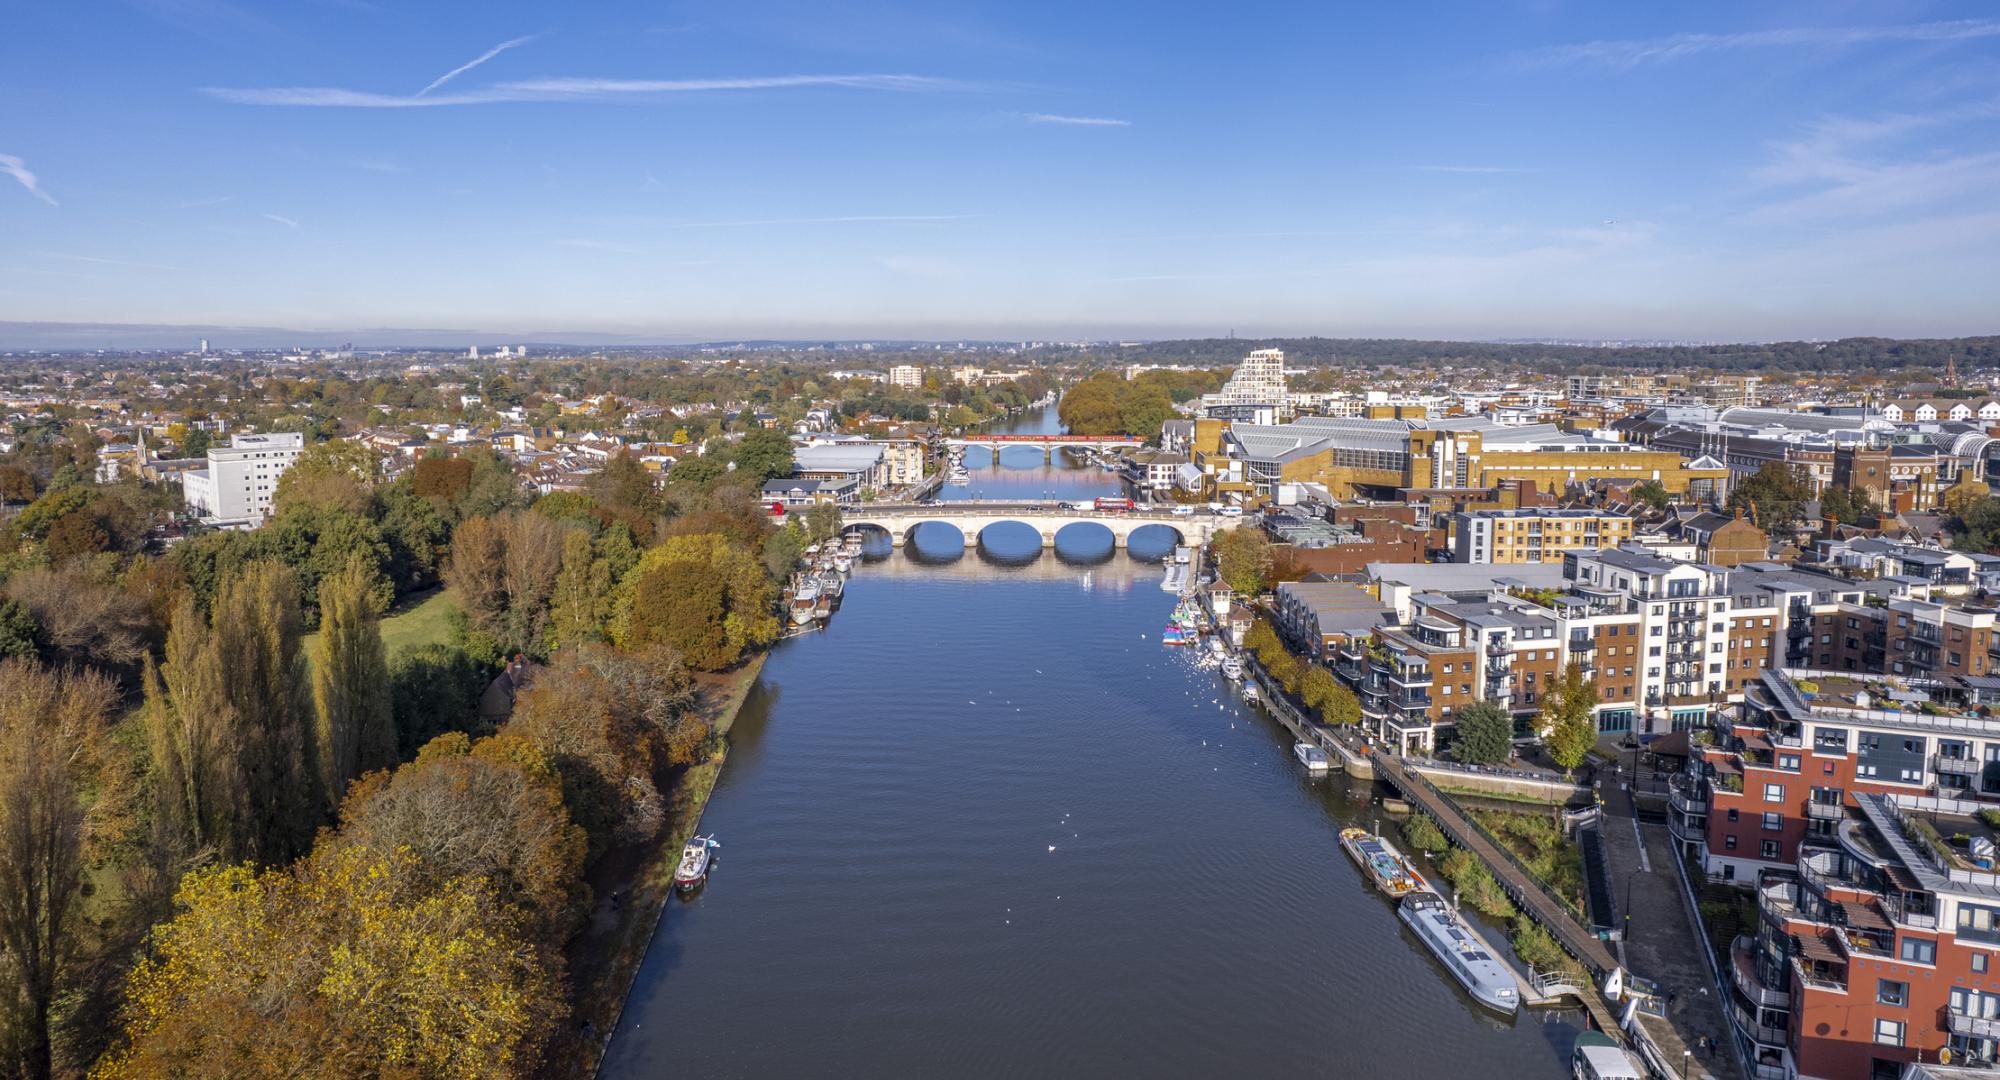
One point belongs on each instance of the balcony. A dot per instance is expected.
(1743, 966)
(1977, 1027)
(1746, 1022)
(1688, 798)
(1866, 942)
(1780, 899)
(1820, 976)
(1819, 811)
(1958, 766)
(1410, 676)
(1897, 910)
(1499, 647)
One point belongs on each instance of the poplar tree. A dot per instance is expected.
(350, 682)
(232, 733)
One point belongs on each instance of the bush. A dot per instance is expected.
(1475, 884)
(1538, 948)
(1423, 833)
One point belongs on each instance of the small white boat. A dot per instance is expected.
(843, 562)
(1232, 669)
(1250, 693)
(696, 859)
(1312, 757)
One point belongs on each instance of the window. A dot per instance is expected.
(1732, 814)
(1729, 842)
(1768, 849)
(1773, 821)
(1919, 951)
(1774, 793)
(1977, 922)
(1979, 963)
(1889, 1032)
(1891, 992)
(1788, 762)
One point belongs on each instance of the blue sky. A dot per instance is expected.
(699, 171)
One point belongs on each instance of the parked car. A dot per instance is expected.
(1231, 511)
(1183, 511)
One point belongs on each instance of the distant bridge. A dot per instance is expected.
(1049, 444)
(971, 517)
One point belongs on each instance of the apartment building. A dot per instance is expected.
(1668, 644)
(1913, 638)
(1533, 535)
(907, 376)
(241, 479)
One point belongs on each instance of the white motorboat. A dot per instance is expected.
(1312, 757)
(1250, 693)
(1232, 669)
(804, 598)
(696, 860)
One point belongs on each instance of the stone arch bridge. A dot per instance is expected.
(971, 517)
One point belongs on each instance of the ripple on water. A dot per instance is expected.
(888, 904)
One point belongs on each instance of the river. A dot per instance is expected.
(985, 825)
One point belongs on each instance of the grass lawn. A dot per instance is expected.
(418, 619)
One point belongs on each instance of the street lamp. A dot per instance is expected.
(1685, 1056)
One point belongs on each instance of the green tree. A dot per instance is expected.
(20, 634)
(580, 607)
(1652, 493)
(433, 690)
(350, 682)
(1146, 406)
(1840, 504)
(1568, 719)
(822, 523)
(1485, 734)
(764, 455)
(1775, 493)
(196, 443)
(1243, 558)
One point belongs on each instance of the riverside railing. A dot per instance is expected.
(1507, 853)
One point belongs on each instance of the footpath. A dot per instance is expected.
(1661, 941)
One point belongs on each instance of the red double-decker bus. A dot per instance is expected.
(1113, 506)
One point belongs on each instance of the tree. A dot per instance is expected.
(1243, 558)
(338, 474)
(82, 620)
(1568, 718)
(491, 810)
(350, 682)
(502, 573)
(1145, 408)
(1962, 497)
(348, 964)
(74, 535)
(703, 596)
(20, 635)
(783, 549)
(315, 540)
(231, 728)
(1325, 693)
(1652, 493)
(1841, 504)
(580, 606)
(625, 484)
(822, 522)
(608, 720)
(445, 480)
(1979, 527)
(47, 722)
(764, 455)
(196, 443)
(1775, 493)
(1485, 734)
(434, 689)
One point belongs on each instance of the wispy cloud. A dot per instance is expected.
(282, 220)
(1078, 121)
(560, 90)
(1634, 52)
(473, 63)
(215, 200)
(1851, 167)
(1482, 170)
(18, 169)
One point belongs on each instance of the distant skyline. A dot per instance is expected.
(679, 172)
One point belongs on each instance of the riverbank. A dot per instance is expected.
(631, 886)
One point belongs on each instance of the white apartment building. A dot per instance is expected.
(1258, 380)
(909, 376)
(241, 478)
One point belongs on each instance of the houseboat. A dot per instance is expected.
(1385, 866)
(1598, 1056)
(1463, 951)
(805, 596)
